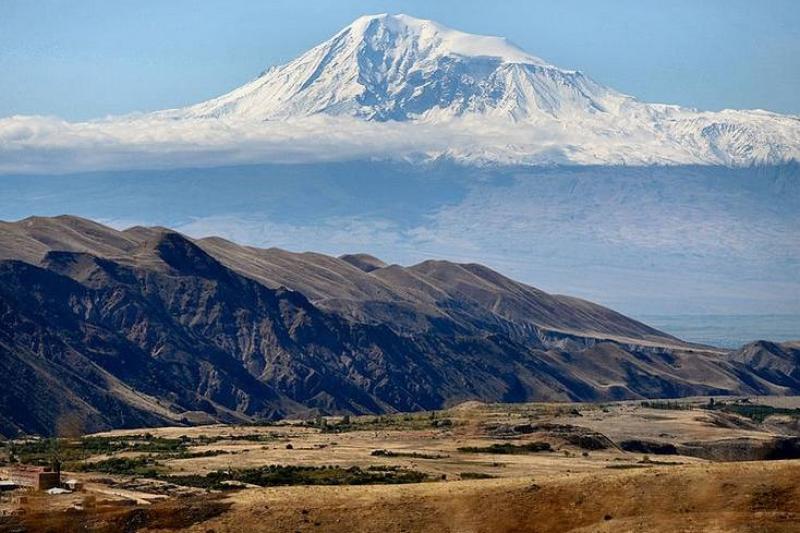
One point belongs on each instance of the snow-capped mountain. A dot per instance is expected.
(396, 67)
(524, 110)
(396, 87)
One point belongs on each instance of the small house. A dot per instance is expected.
(36, 477)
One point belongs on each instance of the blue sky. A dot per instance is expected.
(91, 58)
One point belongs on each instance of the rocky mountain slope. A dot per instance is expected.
(362, 288)
(397, 67)
(101, 328)
(777, 363)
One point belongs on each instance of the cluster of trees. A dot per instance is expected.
(509, 449)
(279, 475)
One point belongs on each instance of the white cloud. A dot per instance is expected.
(50, 145)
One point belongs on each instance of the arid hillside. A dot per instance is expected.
(110, 329)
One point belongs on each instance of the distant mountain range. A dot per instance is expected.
(102, 328)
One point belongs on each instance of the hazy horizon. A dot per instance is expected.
(721, 242)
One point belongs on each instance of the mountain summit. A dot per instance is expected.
(401, 88)
(397, 67)
(517, 108)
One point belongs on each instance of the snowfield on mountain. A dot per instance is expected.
(398, 87)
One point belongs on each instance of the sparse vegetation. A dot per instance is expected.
(254, 437)
(278, 475)
(666, 405)
(186, 454)
(136, 466)
(413, 455)
(267, 476)
(508, 448)
(40, 451)
(382, 422)
(72, 451)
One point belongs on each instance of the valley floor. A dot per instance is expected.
(686, 465)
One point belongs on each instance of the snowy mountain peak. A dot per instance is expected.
(438, 40)
(516, 107)
(397, 67)
(398, 87)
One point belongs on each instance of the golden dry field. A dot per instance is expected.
(624, 466)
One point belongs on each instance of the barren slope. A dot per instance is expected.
(173, 329)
